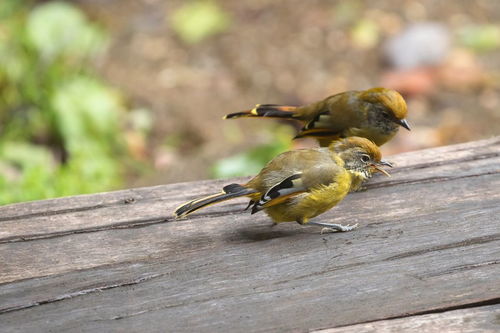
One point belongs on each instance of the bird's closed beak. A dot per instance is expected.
(379, 169)
(405, 124)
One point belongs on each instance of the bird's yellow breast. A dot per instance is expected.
(312, 203)
(323, 198)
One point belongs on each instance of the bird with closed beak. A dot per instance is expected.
(375, 114)
(301, 184)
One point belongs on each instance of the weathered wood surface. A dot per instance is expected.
(428, 241)
(485, 319)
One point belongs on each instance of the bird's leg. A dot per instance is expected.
(332, 227)
(360, 189)
(249, 205)
(302, 220)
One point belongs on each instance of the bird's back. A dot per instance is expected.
(293, 162)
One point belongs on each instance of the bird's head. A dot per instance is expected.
(388, 106)
(361, 156)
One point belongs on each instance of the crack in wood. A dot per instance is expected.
(211, 299)
(80, 293)
(467, 242)
(56, 212)
(130, 224)
(488, 302)
(333, 269)
(126, 200)
(460, 268)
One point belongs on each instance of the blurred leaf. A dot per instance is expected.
(58, 28)
(237, 165)
(365, 34)
(86, 110)
(248, 163)
(9, 8)
(26, 155)
(253, 160)
(141, 120)
(90, 170)
(31, 170)
(200, 19)
(481, 38)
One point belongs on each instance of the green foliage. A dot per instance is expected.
(197, 20)
(480, 38)
(60, 130)
(252, 161)
(58, 28)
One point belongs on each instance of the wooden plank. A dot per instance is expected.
(428, 239)
(154, 206)
(485, 319)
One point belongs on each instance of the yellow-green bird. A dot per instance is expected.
(301, 184)
(375, 114)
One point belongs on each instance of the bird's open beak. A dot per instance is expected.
(379, 169)
(386, 163)
(404, 123)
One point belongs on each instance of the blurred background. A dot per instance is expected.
(97, 95)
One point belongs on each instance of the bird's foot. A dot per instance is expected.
(331, 227)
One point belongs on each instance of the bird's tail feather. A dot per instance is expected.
(316, 133)
(267, 111)
(228, 192)
(323, 135)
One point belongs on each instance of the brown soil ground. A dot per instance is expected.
(289, 52)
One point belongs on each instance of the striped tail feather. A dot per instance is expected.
(323, 135)
(267, 111)
(228, 192)
(317, 133)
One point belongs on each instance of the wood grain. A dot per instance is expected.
(429, 240)
(484, 319)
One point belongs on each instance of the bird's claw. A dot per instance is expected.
(339, 228)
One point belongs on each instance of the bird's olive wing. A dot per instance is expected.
(283, 190)
(320, 175)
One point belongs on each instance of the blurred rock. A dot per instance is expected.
(422, 44)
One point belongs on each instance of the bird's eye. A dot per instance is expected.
(365, 158)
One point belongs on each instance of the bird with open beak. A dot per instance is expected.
(301, 184)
